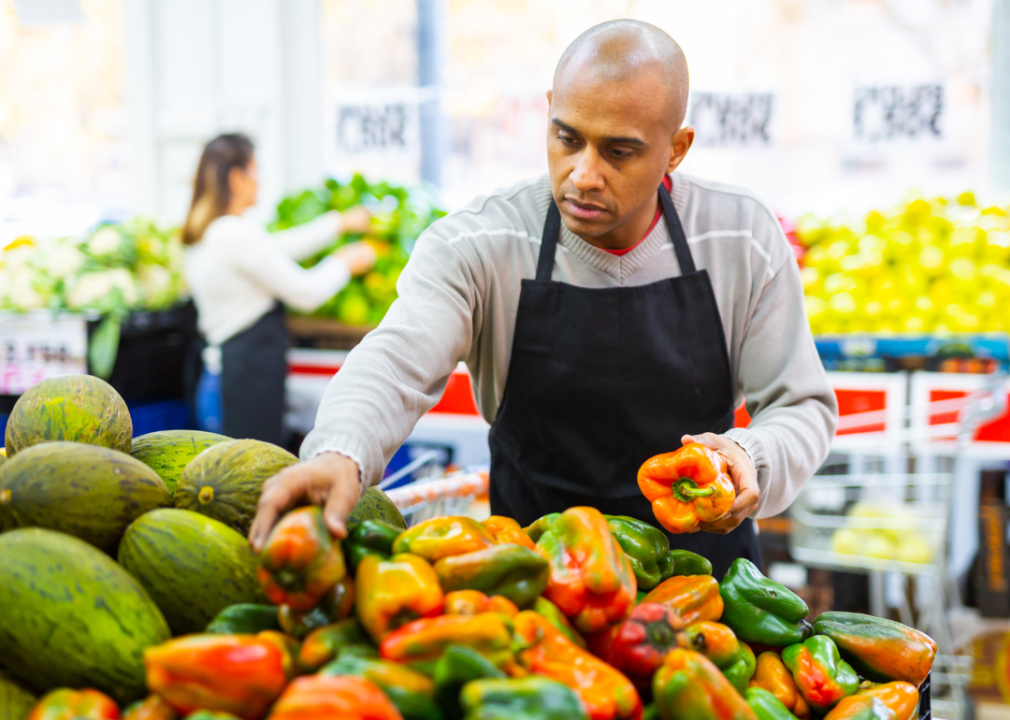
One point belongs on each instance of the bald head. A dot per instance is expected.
(623, 50)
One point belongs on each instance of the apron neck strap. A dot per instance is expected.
(552, 226)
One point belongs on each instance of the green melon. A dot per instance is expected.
(375, 505)
(225, 481)
(193, 566)
(168, 452)
(87, 491)
(76, 408)
(72, 617)
(15, 702)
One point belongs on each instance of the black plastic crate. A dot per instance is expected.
(153, 351)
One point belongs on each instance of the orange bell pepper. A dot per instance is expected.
(237, 674)
(300, 561)
(474, 602)
(772, 675)
(334, 697)
(687, 487)
(153, 707)
(902, 698)
(506, 530)
(605, 691)
(590, 578)
(65, 704)
(422, 642)
(440, 537)
(860, 707)
(393, 592)
(465, 602)
(692, 597)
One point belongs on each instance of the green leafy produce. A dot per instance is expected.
(399, 216)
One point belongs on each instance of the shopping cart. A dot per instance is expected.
(884, 509)
(454, 494)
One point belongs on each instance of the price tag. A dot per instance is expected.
(723, 119)
(38, 346)
(893, 113)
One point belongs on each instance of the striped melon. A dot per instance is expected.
(193, 566)
(76, 408)
(168, 452)
(225, 481)
(72, 617)
(375, 505)
(15, 702)
(87, 491)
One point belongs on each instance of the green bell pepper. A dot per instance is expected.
(244, 618)
(647, 548)
(370, 537)
(459, 665)
(742, 670)
(528, 698)
(766, 706)
(821, 676)
(411, 692)
(761, 610)
(541, 525)
(512, 571)
(686, 562)
(650, 712)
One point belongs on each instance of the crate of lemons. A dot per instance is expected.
(928, 266)
(883, 532)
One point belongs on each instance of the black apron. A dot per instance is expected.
(253, 369)
(600, 380)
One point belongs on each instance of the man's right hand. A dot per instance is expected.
(329, 480)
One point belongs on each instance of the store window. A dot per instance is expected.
(64, 143)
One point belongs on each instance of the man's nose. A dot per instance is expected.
(587, 175)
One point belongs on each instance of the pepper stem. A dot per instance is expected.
(686, 490)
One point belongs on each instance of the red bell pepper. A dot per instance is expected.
(334, 697)
(643, 641)
(65, 704)
(300, 561)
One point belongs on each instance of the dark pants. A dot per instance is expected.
(253, 370)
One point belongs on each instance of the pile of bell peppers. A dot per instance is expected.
(581, 615)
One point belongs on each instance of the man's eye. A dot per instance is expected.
(620, 153)
(566, 139)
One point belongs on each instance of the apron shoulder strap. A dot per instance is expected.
(680, 245)
(549, 243)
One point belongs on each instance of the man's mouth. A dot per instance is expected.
(585, 211)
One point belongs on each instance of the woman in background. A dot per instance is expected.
(239, 275)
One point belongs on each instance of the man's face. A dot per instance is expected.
(608, 146)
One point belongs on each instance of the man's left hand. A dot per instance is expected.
(744, 476)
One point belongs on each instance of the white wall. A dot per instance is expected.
(196, 68)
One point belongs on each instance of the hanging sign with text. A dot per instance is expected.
(894, 113)
(732, 119)
(38, 346)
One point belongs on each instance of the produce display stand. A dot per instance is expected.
(895, 471)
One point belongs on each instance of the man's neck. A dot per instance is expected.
(631, 231)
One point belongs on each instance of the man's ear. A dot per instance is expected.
(549, 94)
(680, 143)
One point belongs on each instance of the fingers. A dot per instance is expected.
(339, 504)
(279, 493)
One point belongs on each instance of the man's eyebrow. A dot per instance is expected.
(616, 140)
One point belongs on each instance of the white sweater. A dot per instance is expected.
(238, 271)
(458, 300)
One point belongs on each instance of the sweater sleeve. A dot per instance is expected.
(260, 258)
(303, 241)
(401, 368)
(792, 406)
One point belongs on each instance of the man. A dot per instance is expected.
(603, 322)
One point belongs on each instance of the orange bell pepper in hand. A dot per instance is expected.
(604, 690)
(591, 579)
(393, 592)
(300, 561)
(687, 487)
